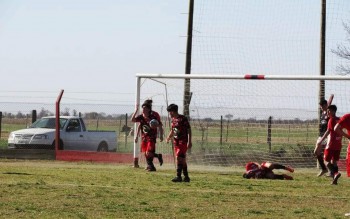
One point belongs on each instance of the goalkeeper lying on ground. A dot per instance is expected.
(264, 171)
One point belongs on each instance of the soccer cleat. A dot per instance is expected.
(322, 173)
(187, 179)
(335, 179)
(330, 175)
(177, 179)
(290, 169)
(160, 158)
(151, 169)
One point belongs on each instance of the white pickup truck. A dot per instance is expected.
(73, 136)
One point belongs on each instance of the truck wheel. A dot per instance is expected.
(102, 147)
(60, 146)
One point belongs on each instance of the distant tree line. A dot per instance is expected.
(95, 115)
(66, 112)
(260, 121)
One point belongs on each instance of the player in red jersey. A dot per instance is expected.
(148, 134)
(182, 139)
(149, 103)
(334, 145)
(344, 123)
(265, 171)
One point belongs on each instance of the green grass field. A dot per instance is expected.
(52, 189)
(206, 136)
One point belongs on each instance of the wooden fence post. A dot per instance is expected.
(221, 128)
(33, 116)
(269, 124)
(0, 123)
(126, 125)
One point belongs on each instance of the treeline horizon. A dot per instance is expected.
(102, 115)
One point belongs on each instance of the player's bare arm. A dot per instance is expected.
(339, 130)
(189, 142)
(325, 135)
(330, 100)
(135, 113)
(137, 133)
(318, 147)
(171, 134)
(161, 132)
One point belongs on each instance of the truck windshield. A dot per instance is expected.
(49, 123)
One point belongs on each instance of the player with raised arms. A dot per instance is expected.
(320, 145)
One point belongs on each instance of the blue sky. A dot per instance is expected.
(93, 48)
(88, 45)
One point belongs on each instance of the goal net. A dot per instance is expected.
(236, 119)
(266, 37)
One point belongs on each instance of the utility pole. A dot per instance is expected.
(187, 85)
(322, 53)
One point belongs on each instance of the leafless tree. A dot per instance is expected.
(75, 112)
(229, 116)
(66, 112)
(343, 52)
(43, 112)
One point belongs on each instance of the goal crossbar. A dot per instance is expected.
(261, 77)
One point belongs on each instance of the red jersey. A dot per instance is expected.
(251, 166)
(147, 133)
(180, 126)
(344, 121)
(334, 140)
(260, 173)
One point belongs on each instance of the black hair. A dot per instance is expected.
(323, 102)
(148, 101)
(332, 108)
(147, 105)
(172, 108)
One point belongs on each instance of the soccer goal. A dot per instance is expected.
(240, 118)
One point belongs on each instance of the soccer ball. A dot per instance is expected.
(153, 123)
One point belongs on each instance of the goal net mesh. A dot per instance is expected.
(232, 119)
(266, 37)
(236, 121)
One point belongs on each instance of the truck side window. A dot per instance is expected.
(74, 125)
(83, 125)
(62, 123)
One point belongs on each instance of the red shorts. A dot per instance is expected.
(330, 154)
(148, 146)
(180, 148)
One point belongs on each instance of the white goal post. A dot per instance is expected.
(241, 118)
